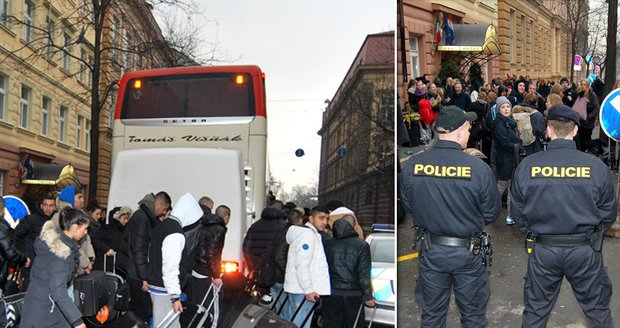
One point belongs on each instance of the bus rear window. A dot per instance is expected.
(212, 95)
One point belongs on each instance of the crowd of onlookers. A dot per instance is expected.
(511, 115)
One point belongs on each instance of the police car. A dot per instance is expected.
(383, 273)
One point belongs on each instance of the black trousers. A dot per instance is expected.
(196, 290)
(341, 311)
(584, 270)
(443, 268)
(140, 302)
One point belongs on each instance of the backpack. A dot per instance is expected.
(488, 121)
(524, 128)
(193, 238)
(427, 115)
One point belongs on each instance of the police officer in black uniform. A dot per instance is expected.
(565, 200)
(452, 196)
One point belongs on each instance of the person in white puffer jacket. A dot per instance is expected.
(307, 274)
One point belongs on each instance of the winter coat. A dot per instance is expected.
(349, 262)
(209, 253)
(504, 141)
(166, 249)
(8, 252)
(137, 237)
(47, 301)
(592, 109)
(27, 231)
(462, 100)
(306, 264)
(109, 237)
(516, 98)
(261, 235)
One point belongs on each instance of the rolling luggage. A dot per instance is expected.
(257, 316)
(116, 300)
(90, 292)
(128, 320)
(193, 315)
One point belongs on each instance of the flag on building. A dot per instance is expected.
(438, 28)
(448, 29)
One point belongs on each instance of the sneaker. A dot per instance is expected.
(509, 220)
(266, 299)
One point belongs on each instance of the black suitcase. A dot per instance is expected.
(259, 316)
(128, 320)
(90, 292)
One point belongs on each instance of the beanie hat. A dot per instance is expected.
(67, 195)
(502, 100)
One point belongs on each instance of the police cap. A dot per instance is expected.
(560, 112)
(451, 118)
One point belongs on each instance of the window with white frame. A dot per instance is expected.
(45, 110)
(89, 71)
(24, 107)
(66, 59)
(4, 11)
(522, 39)
(415, 55)
(112, 109)
(126, 57)
(62, 123)
(3, 85)
(1, 182)
(49, 31)
(115, 26)
(80, 128)
(513, 28)
(28, 21)
(87, 135)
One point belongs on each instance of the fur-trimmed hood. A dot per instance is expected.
(52, 237)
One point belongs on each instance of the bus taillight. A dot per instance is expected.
(137, 84)
(239, 79)
(230, 266)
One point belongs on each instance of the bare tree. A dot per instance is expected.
(109, 51)
(304, 196)
(577, 20)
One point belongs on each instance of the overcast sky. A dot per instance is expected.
(305, 48)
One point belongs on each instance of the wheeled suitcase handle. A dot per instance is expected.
(105, 262)
(316, 304)
(170, 318)
(372, 315)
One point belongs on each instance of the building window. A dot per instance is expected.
(45, 105)
(2, 95)
(89, 67)
(49, 31)
(62, 126)
(1, 182)
(4, 11)
(66, 59)
(115, 25)
(27, 28)
(531, 37)
(415, 56)
(126, 57)
(87, 135)
(80, 128)
(513, 28)
(24, 104)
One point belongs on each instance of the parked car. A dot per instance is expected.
(383, 273)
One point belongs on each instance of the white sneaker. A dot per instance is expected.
(509, 220)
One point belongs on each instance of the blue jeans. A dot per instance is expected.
(294, 300)
(276, 289)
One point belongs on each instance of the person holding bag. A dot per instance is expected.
(586, 106)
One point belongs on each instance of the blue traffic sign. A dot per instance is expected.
(15, 211)
(341, 152)
(299, 152)
(609, 115)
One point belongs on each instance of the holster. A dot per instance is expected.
(420, 239)
(596, 239)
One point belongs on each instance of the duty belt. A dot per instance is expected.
(449, 241)
(564, 240)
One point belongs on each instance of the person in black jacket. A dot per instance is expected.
(47, 301)
(260, 236)
(460, 98)
(506, 143)
(349, 263)
(110, 238)
(137, 237)
(8, 252)
(207, 265)
(29, 228)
